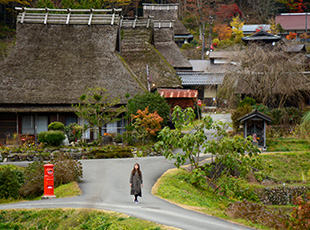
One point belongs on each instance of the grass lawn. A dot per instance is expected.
(290, 167)
(72, 219)
(67, 190)
(174, 185)
(287, 144)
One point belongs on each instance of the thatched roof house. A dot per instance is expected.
(58, 56)
(169, 12)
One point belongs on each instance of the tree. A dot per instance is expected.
(189, 143)
(153, 101)
(269, 76)
(237, 25)
(223, 31)
(261, 11)
(146, 124)
(291, 36)
(98, 108)
(226, 12)
(228, 151)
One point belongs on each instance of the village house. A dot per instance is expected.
(59, 55)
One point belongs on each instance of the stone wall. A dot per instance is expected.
(282, 195)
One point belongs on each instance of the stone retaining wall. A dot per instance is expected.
(281, 195)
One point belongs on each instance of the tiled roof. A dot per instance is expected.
(194, 78)
(178, 93)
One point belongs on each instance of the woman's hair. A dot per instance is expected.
(134, 169)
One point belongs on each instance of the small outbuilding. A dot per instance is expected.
(255, 124)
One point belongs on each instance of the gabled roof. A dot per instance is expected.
(250, 29)
(293, 21)
(199, 78)
(254, 115)
(54, 65)
(262, 36)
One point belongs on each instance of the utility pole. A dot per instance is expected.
(148, 78)
(203, 41)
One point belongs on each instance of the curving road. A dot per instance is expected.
(106, 186)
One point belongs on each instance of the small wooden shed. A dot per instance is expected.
(255, 125)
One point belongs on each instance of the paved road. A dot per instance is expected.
(106, 186)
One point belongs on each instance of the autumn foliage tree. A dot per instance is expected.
(237, 25)
(146, 124)
(223, 31)
(291, 36)
(294, 6)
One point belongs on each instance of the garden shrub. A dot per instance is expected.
(54, 138)
(239, 113)
(73, 131)
(153, 101)
(34, 180)
(237, 188)
(66, 169)
(56, 126)
(41, 137)
(11, 179)
(247, 101)
(111, 152)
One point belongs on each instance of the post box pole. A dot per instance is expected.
(48, 181)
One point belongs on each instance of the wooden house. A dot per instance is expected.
(59, 55)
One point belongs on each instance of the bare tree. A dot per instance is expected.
(271, 76)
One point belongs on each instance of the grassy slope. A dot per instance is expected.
(174, 186)
(287, 144)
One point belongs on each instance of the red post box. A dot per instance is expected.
(48, 181)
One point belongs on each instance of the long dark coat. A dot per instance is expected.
(136, 181)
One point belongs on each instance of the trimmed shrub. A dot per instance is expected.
(41, 137)
(54, 138)
(56, 126)
(11, 179)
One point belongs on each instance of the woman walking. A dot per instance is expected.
(136, 182)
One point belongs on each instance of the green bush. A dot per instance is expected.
(111, 152)
(41, 137)
(73, 131)
(34, 180)
(237, 188)
(154, 101)
(11, 179)
(247, 101)
(239, 113)
(54, 138)
(56, 126)
(66, 170)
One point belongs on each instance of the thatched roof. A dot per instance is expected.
(54, 64)
(138, 52)
(163, 38)
(165, 12)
